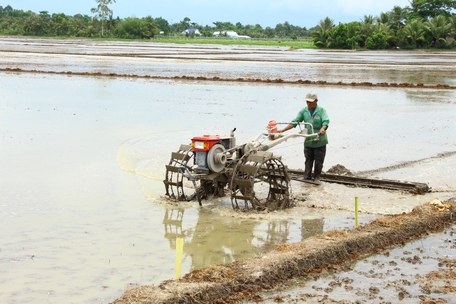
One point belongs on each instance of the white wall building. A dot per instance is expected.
(231, 34)
(191, 30)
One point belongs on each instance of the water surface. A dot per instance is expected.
(82, 212)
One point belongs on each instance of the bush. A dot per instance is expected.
(403, 41)
(453, 44)
(128, 28)
(377, 41)
(340, 39)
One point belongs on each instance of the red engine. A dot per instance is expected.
(211, 152)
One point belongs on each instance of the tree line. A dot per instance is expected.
(19, 22)
(423, 24)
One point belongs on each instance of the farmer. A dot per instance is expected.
(314, 148)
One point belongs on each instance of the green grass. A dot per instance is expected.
(292, 44)
(295, 44)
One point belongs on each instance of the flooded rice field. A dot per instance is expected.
(223, 62)
(82, 209)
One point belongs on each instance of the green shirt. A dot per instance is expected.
(318, 119)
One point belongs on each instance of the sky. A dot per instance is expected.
(302, 13)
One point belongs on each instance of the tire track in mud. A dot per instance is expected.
(404, 164)
(240, 79)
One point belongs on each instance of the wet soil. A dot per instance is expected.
(391, 276)
(78, 227)
(243, 280)
(340, 170)
(219, 63)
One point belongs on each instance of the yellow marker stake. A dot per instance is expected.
(356, 211)
(179, 249)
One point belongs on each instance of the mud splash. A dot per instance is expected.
(242, 280)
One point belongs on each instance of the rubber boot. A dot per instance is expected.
(308, 169)
(309, 155)
(318, 169)
(320, 154)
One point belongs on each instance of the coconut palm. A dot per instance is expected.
(384, 18)
(452, 20)
(367, 28)
(111, 23)
(327, 23)
(383, 21)
(439, 28)
(322, 35)
(415, 30)
(37, 24)
(353, 34)
(382, 27)
(398, 16)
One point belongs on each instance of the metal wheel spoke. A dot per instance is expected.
(175, 174)
(261, 181)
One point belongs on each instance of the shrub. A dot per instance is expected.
(377, 41)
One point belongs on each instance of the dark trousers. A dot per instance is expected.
(314, 159)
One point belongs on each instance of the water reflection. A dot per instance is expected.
(61, 183)
(173, 225)
(311, 227)
(427, 96)
(219, 240)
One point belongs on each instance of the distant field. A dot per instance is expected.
(297, 44)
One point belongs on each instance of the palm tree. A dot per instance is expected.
(33, 25)
(327, 23)
(415, 30)
(384, 18)
(353, 34)
(38, 24)
(439, 29)
(384, 22)
(368, 19)
(382, 27)
(367, 28)
(111, 23)
(287, 28)
(452, 20)
(77, 25)
(321, 36)
(184, 24)
(398, 16)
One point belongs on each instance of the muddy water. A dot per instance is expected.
(413, 273)
(82, 214)
(256, 62)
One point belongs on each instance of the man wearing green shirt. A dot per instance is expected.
(314, 148)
